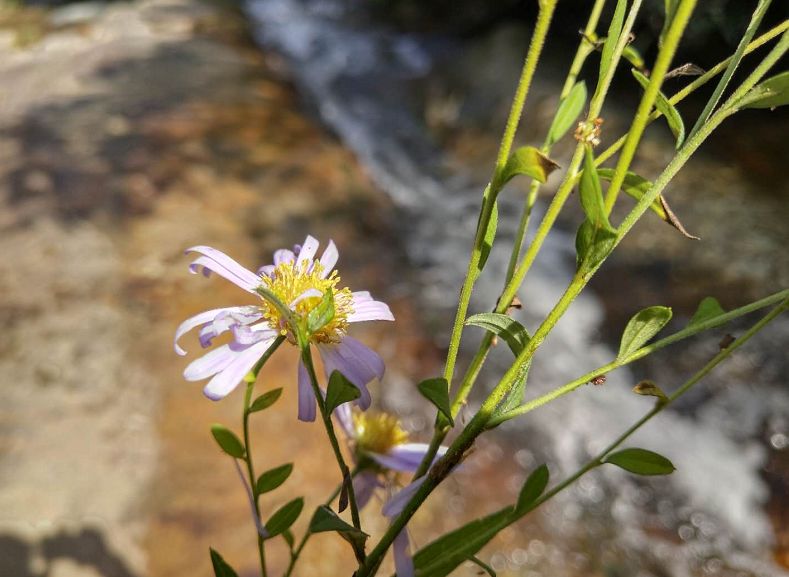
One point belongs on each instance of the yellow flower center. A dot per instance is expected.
(288, 281)
(378, 432)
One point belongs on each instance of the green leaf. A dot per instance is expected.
(634, 57)
(325, 519)
(517, 394)
(265, 400)
(284, 517)
(667, 109)
(273, 478)
(322, 314)
(287, 534)
(339, 391)
(221, 568)
(771, 93)
(641, 462)
(228, 441)
(644, 325)
(490, 236)
(670, 11)
(442, 556)
(570, 108)
(593, 245)
(437, 392)
(709, 308)
(528, 161)
(591, 193)
(532, 489)
(650, 389)
(513, 333)
(614, 31)
(636, 187)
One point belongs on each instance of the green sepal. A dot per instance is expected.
(221, 567)
(265, 400)
(273, 478)
(709, 308)
(569, 110)
(528, 161)
(340, 391)
(228, 441)
(644, 325)
(284, 517)
(668, 110)
(437, 392)
(513, 333)
(322, 314)
(532, 489)
(641, 462)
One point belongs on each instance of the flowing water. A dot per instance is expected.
(707, 518)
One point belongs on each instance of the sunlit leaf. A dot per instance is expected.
(532, 489)
(437, 392)
(490, 236)
(644, 325)
(771, 93)
(709, 308)
(325, 520)
(273, 478)
(221, 567)
(592, 245)
(570, 108)
(670, 7)
(528, 161)
(517, 394)
(339, 391)
(322, 314)
(591, 192)
(228, 441)
(265, 400)
(667, 109)
(442, 556)
(634, 57)
(284, 517)
(513, 333)
(641, 462)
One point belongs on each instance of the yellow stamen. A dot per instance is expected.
(378, 432)
(288, 281)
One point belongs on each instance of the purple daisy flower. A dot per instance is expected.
(299, 280)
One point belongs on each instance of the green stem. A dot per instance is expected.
(296, 553)
(734, 62)
(306, 357)
(639, 354)
(251, 472)
(664, 58)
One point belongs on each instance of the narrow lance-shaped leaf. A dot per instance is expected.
(670, 10)
(221, 567)
(442, 556)
(667, 109)
(517, 394)
(284, 517)
(570, 108)
(339, 391)
(228, 441)
(532, 489)
(771, 93)
(490, 236)
(528, 161)
(641, 462)
(593, 245)
(322, 314)
(273, 478)
(709, 308)
(591, 193)
(265, 400)
(513, 333)
(437, 392)
(644, 325)
(636, 187)
(614, 31)
(634, 57)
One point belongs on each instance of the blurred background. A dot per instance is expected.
(132, 130)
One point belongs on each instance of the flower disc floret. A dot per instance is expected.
(378, 432)
(302, 286)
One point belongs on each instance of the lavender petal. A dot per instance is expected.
(250, 496)
(404, 564)
(307, 401)
(334, 359)
(218, 262)
(283, 255)
(224, 382)
(193, 322)
(308, 250)
(210, 363)
(406, 457)
(370, 311)
(395, 505)
(329, 258)
(364, 486)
